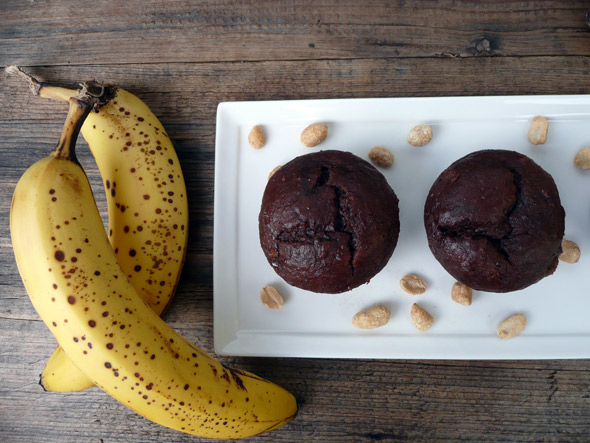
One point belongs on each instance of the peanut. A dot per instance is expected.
(462, 294)
(413, 284)
(371, 318)
(420, 135)
(275, 169)
(271, 298)
(582, 158)
(257, 137)
(538, 130)
(381, 156)
(421, 318)
(314, 134)
(570, 252)
(512, 326)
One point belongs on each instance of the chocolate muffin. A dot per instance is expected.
(329, 222)
(494, 221)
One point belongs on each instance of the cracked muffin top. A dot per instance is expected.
(494, 221)
(329, 222)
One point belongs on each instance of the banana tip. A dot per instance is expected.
(41, 382)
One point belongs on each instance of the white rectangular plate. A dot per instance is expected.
(319, 325)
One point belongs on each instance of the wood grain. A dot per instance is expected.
(63, 32)
(184, 58)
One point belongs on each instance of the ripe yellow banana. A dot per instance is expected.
(76, 285)
(146, 201)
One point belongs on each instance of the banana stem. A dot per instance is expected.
(96, 93)
(43, 89)
(79, 110)
(56, 93)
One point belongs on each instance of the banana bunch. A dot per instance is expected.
(75, 281)
(142, 176)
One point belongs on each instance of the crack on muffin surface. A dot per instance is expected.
(495, 234)
(341, 224)
(494, 221)
(324, 177)
(309, 231)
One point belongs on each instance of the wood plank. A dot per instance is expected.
(61, 32)
(187, 94)
(513, 401)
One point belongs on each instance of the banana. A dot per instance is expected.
(76, 285)
(146, 201)
(62, 375)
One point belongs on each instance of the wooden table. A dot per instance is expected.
(183, 58)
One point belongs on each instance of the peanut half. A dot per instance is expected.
(271, 298)
(421, 318)
(257, 137)
(381, 156)
(570, 252)
(275, 169)
(371, 318)
(420, 135)
(512, 326)
(582, 158)
(462, 294)
(538, 130)
(314, 134)
(413, 284)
